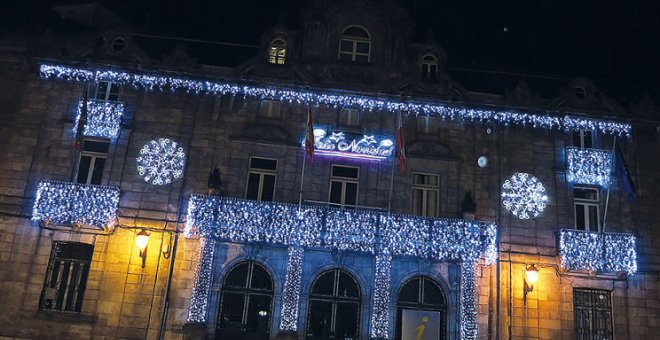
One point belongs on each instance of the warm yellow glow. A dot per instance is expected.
(142, 240)
(277, 55)
(531, 275)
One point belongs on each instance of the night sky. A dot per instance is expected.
(614, 43)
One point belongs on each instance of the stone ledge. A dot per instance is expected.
(66, 317)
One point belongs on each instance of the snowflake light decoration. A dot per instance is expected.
(161, 161)
(524, 195)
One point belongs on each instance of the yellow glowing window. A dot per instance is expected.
(277, 52)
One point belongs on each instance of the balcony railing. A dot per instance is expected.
(72, 203)
(238, 220)
(103, 118)
(588, 166)
(598, 252)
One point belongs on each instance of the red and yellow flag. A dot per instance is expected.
(309, 135)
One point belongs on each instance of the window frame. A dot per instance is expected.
(266, 109)
(420, 305)
(262, 173)
(277, 51)
(425, 189)
(335, 299)
(354, 41)
(109, 94)
(586, 203)
(586, 139)
(344, 181)
(425, 126)
(427, 63)
(83, 267)
(593, 312)
(350, 112)
(94, 155)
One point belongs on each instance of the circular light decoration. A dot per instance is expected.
(524, 195)
(482, 161)
(161, 161)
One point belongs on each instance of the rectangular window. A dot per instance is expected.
(592, 310)
(349, 117)
(427, 124)
(270, 109)
(586, 202)
(583, 139)
(429, 72)
(344, 185)
(425, 194)
(106, 90)
(66, 277)
(92, 160)
(261, 179)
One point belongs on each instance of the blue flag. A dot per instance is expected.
(622, 173)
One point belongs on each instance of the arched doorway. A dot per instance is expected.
(334, 307)
(421, 308)
(245, 303)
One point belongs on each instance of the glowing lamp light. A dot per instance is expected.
(386, 143)
(319, 133)
(531, 275)
(141, 241)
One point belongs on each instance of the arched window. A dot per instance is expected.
(334, 307)
(355, 45)
(421, 302)
(245, 303)
(277, 52)
(429, 68)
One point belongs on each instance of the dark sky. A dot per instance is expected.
(614, 43)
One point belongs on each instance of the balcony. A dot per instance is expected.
(239, 220)
(72, 203)
(598, 252)
(103, 118)
(588, 166)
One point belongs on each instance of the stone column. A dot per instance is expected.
(468, 301)
(380, 310)
(291, 294)
(195, 327)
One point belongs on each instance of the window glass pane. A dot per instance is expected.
(593, 218)
(346, 323)
(83, 169)
(73, 250)
(268, 190)
(261, 279)
(232, 310)
(258, 313)
(362, 59)
(417, 199)
(97, 174)
(347, 286)
(335, 192)
(587, 140)
(432, 294)
(253, 186)
(263, 163)
(320, 319)
(351, 194)
(325, 284)
(346, 172)
(95, 146)
(431, 203)
(114, 92)
(346, 46)
(101, 90)
(579, 217)
(356, 32)
(345, 57)
(237, 277)
(362, 47)
(585, 194)
(410, 292)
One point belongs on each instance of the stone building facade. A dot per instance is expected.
(249, 237)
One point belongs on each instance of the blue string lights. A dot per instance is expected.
(380, 311)
(161, 161)
(103, 118)
(291, 294)
(73, 203)
(597, 251)
(588, 166)
(468, 302)
(524, 196)
(201, 287)
(170, 81)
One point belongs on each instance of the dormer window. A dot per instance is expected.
(277, 52)
(429, 68)
(581, 94)
(355, 45)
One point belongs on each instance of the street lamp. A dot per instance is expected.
(141, 241)
(531, 277)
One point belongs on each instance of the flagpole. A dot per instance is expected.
(309, 150)
(607, 200)
(396, 131)
(302, 180)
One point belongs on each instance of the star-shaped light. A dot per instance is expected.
(368, 140)
(336, 137)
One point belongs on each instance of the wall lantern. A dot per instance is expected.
(141, 241)
(531, 276)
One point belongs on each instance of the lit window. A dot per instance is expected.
(270, 109)
(344, 185)
(334, 307)
(583, 138)
(427, 124)
(586, 202)
(106, 90)
(92, 161)
(246, 303)
(66, 277)
(429, 69)
(418, 298)
(349, 117)
(425, 193)
(277, 52)
(592, 310)
(355, 45)
(261, 179)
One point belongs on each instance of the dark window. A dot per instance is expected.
(429, 69)
(593, 314)
(344, 185)
(355, 45)
(261, 179)
(107, 90)
(423, 297)
(349, 117)
(334, 307)
(66, 278)
(427, 124)
(586, 202)
(425, 193)
(92, 161)
(583, 139)
(581, 93)
(118, 44)
(270, 109)
(246, 303)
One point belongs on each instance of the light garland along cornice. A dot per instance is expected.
(171, 81)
